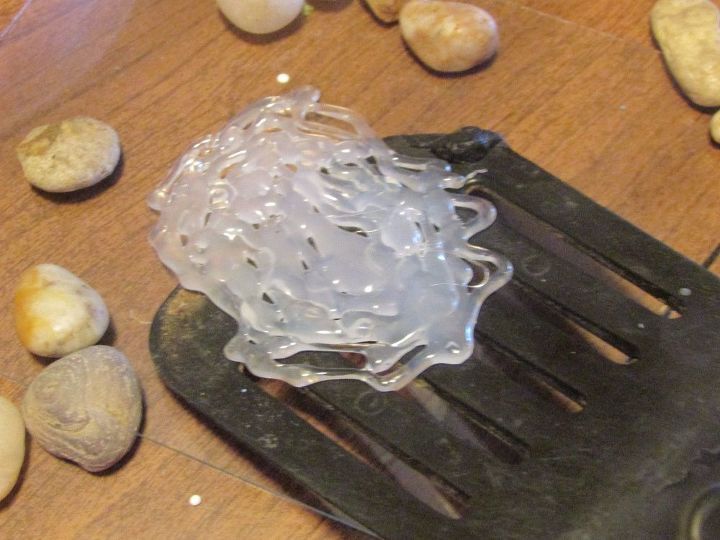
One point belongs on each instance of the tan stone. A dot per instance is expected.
(386, 10)
(715, 127)
(688, 32)
(12, 446)
(70, 155)
(449, 36)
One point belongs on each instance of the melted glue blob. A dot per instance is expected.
(313, 235)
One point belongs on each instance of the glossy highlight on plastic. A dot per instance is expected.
(301, 224)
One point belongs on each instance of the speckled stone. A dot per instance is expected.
(447, 36)
(70, 155)
(56, 312)
(12, 446)
(85, 407)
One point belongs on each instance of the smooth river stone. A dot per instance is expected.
(449, 36)
(70, 155)
(56, 312)
(85, 407)
(12, 446)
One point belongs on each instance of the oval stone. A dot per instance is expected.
(85, 407)
(70, 155)
(449, 36)
(56, 312)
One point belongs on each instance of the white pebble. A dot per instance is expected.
(56, 312)
(261, 16)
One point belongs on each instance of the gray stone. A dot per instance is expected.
(85, 407)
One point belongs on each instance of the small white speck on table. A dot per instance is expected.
(195, 500)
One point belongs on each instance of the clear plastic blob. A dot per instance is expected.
(310, 232)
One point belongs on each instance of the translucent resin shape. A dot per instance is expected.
(310, 232)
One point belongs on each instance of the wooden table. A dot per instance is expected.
(578, 87)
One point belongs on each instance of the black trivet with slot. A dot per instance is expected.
(573, 445)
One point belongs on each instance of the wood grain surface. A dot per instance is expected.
(577, 86)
